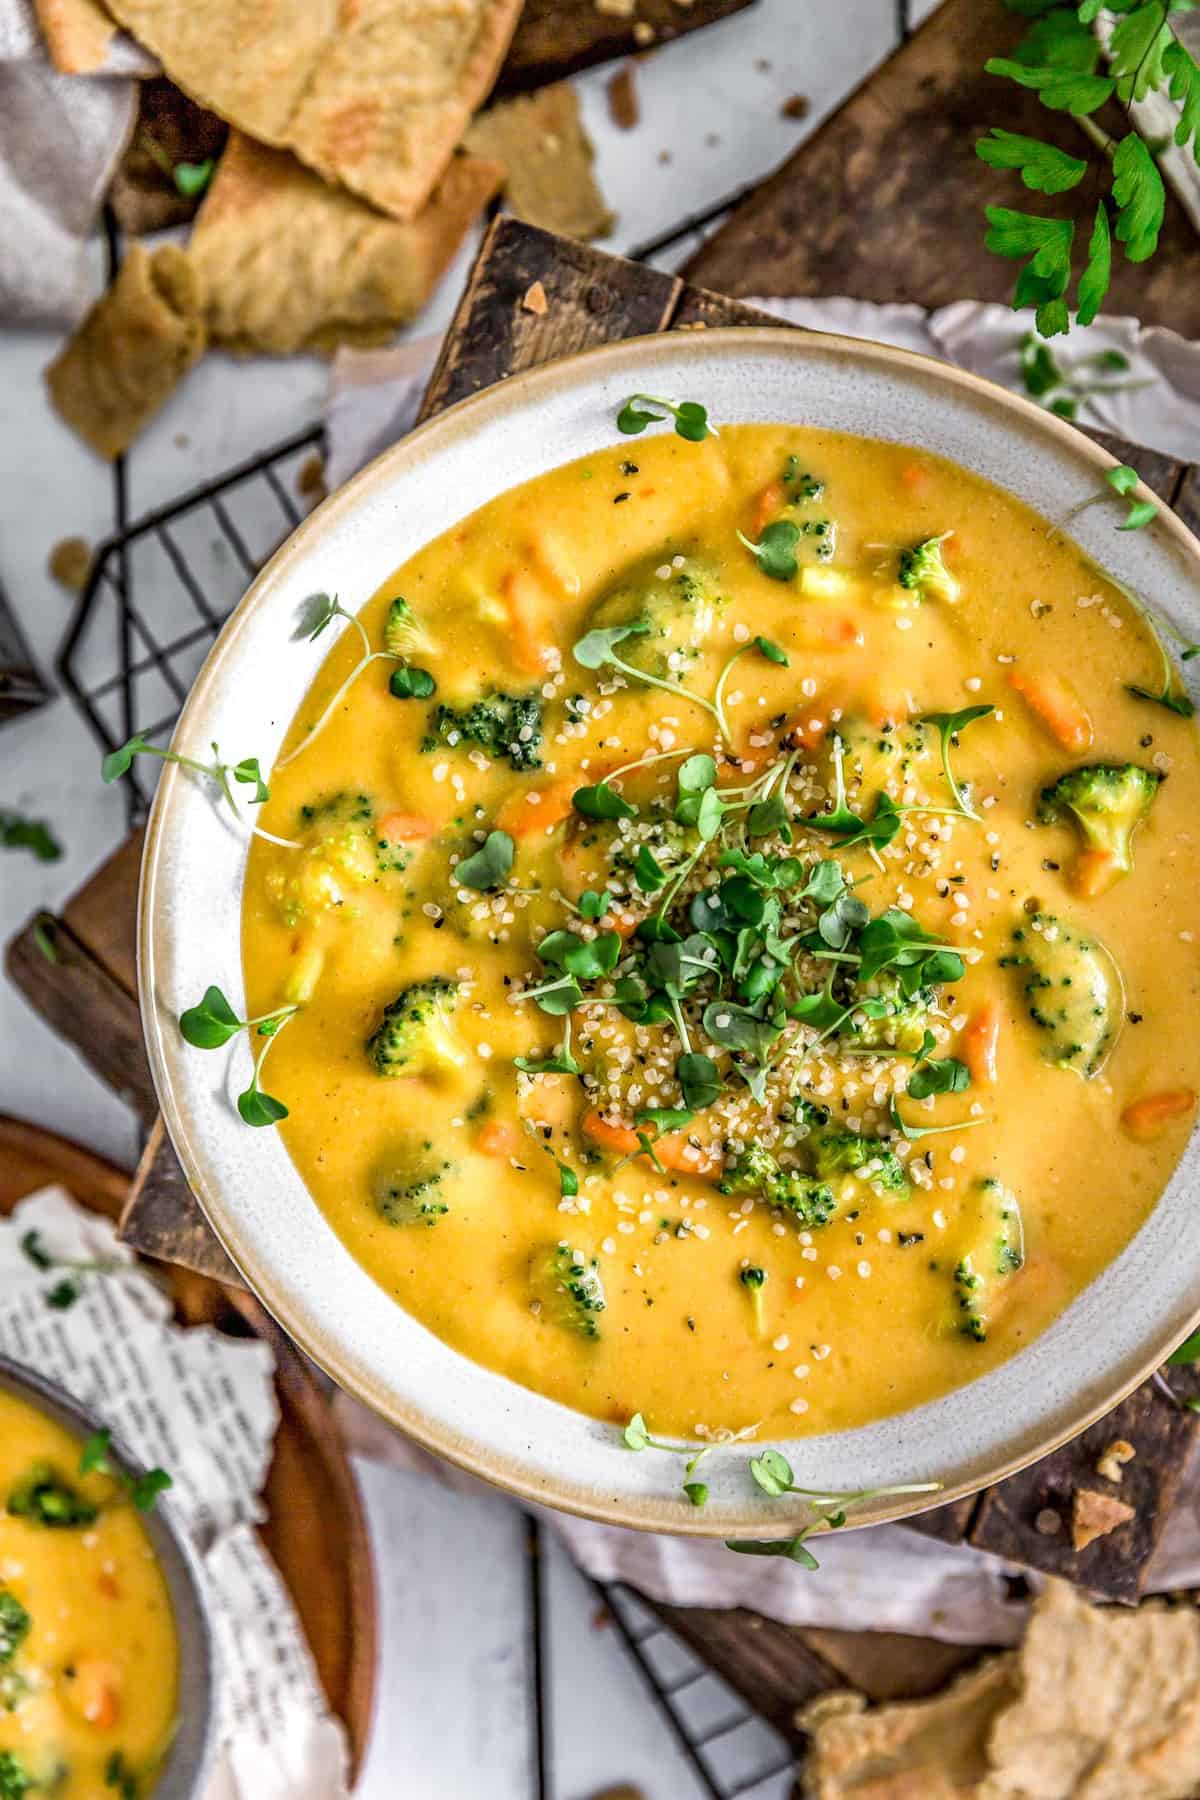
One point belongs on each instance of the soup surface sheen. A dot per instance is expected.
(1045, 1036)
(89, 1665)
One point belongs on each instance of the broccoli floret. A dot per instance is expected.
(846, 1153)
(923, 571)
(993, 1248)
(566, 1289)
(408, 1187)
(44, 1498)
(15, 1779)
(339, 855)
(678, 604)
(754, 1280)
(1108, 801)
(14, 1626)
(403, 633)
(900, 1026)
(1072, 991)
(502, 725)
(756, 1171)
(415, 1036)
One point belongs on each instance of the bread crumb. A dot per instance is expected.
(310, 479)
(534, 299)
(796, 106)
(642, 32)
(617, 9)
(1111, 1463)
(1048, 1522)
(1094, 1515)
(70, 563)
(622, 95)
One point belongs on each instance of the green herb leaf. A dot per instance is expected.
(407, 683)
(602, 802)
(772, 651)
(636, 1436)
(697, 1492)
(697, 1076)
(146, 1488)
(1184, 89)
(595, 648)
(1061, 89)
(646, 871)
(211, 1023)
(1139, 515)
(1123, 479)
(315, 613)
(117, 762)
(1047, 243)
(738, 1028)
(593, 905)
(1043, 168)
(913, 1132)
(696, 774)
(664, 1118)
(775, 551)
(1186, 1353)
(35, 835)
(1141, 201)
(250, 775)
(1136, 49)
(490, 865)
(1097, 274)
(560, 1063)
(947, 1076)
(794, 1549)
(1167, 697)
(33, 1247)
(773, 1473)
(93, 1458)
(257, 1108)
(568, 1182)
(191, 179)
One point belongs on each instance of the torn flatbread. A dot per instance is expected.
(288, 262)
(919, 1750)
(375, 95)
(547, 157)
(131, 351)
(78, 34)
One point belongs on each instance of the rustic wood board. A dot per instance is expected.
(558, 37)
(315, 1528)
(591, 299)
(885, 201)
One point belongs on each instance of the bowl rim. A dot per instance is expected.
(192, 1755)
(415, 1421)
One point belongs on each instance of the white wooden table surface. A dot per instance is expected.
(457, 1674)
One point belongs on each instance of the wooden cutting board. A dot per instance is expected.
(315, 1528)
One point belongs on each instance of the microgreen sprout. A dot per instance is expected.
(949, 726)
(212, 1022)
(34, 835)
(597, 649)
(66, 1291)
(247, 773)
(640, 410)
(1120, 480)
(143, 1489)
(772, 1472)
(913, 1132)
(401, 632)
(489, 867)
(775, 551)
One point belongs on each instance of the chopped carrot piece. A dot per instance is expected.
(524, 602)
(980, 1039)
(915, 477)
(806, 730)
(886, 704)
(1055, 704)
(1149, 1117)
(497, 1138)
(821, 630)
(405, 828)
(521, 818)
(769, 504)
(1094, 871)
(94, 1694)
(672, 1151)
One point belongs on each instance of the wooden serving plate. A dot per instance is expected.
(315, 1528)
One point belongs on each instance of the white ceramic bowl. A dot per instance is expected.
(246, 694)
(189, 1764)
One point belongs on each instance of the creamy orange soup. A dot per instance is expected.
(88, 1652)
(806, 1068)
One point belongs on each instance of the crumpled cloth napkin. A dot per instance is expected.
(60, 139)
(887, 1578)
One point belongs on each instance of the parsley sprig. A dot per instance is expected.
(1059, 59)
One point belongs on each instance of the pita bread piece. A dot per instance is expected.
(548, 158)
(917, 1750)
(289, 263)
(375, 95)
(131, 351)
(1108, 1705)
(78, 34)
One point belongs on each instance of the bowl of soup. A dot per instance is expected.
(689, 945)
(106, 1657)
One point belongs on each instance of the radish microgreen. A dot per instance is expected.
(489, 867)
(247, 773)
(949, 726)
(212, 1022)
(775, 551)
(401, 635)
(641, 410)
(772, 1472)
(914, 1132)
